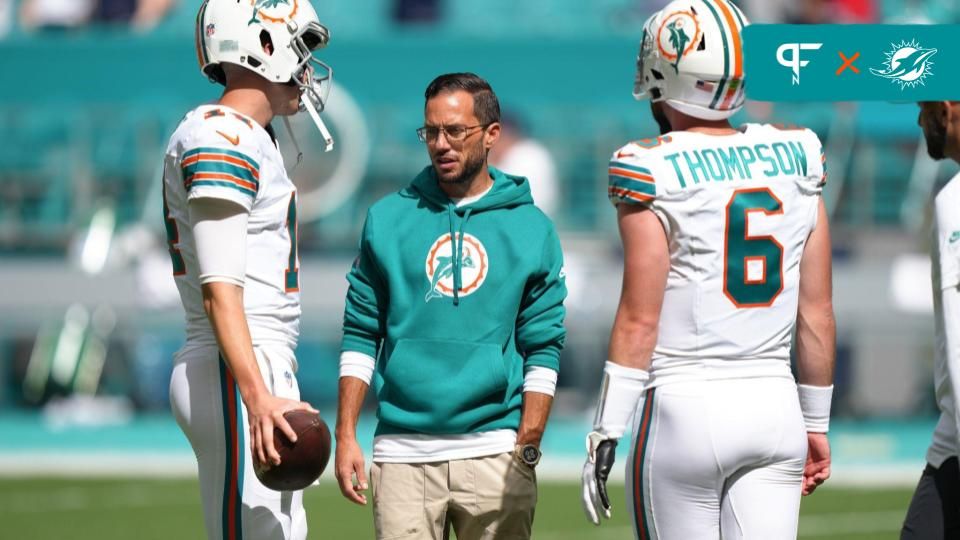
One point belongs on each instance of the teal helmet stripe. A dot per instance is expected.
(736, 12)
(201, 32)
(743, 83)
(726, 55)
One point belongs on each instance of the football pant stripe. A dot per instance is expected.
(233, 474)
(640, 517)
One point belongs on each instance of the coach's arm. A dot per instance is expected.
(364, 321)
(540, 337)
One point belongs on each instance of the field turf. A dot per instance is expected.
(150, 509)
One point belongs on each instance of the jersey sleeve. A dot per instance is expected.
(222, 161)
(816, 159)
(948, 235)
(629, 178)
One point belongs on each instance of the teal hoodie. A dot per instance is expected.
(453, 335)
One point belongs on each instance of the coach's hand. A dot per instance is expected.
(601, 453)
(349, 462)
(265, 413)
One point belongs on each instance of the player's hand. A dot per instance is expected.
(265, 413)
(817, 469)
(349, 462)
(601, 453)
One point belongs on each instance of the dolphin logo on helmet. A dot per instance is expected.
(691, 57)
(266, 4)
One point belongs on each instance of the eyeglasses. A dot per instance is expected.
(451, 133)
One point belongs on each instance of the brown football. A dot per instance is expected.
(302, 462)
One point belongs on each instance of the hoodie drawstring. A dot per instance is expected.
(456, 249)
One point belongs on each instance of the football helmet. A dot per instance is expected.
(236, 32)
(691, 56)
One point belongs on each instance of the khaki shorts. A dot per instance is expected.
(486, 498)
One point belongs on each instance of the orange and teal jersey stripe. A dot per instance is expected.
(218, 167)
(641, 523)
(233, 430)
(630, 183)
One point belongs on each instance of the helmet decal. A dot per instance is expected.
(272, 10)
(683, 34)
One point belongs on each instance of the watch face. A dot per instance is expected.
(530, 454)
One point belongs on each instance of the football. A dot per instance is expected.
(301, 463)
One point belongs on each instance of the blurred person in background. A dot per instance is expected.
(416, 11)
(726, 255)
(140, 14)
(934, 512)
(455, 314)
(230, 211)
(55, 14)
(521, 155)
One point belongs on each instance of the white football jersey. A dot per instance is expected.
(737, 210)
(217, 152)
(945, 267)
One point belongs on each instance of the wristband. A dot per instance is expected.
(815, 405)
(621, 390)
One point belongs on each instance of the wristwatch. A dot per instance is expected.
(528, 454)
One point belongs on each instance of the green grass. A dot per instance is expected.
(149, 509)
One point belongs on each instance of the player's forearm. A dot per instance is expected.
(816, 344)
(633, 339)
(533, 419)
(223, 303)
(351, 393)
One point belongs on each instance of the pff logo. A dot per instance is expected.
(907, 64)
(794, 62)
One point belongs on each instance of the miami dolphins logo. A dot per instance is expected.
(272, 10)
(683, 33)
(474, 266)
(907, 64)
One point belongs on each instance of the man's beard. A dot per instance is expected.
(936, 137)
(471, 167)
(660, 117)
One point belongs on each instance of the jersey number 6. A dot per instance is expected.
(752, 265)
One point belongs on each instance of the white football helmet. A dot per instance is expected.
(691, 55)
(236, 31)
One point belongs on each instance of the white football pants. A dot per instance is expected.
(206, 403)
(717, 459)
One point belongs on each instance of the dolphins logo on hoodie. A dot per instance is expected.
(907, 64)
(440, 268)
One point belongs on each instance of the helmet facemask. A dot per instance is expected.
(312, 76)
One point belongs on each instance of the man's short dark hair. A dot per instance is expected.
(485, 105)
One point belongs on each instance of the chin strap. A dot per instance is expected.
(293, 139)
(327, 138)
